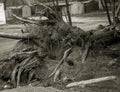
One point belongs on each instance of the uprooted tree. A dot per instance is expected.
(46, 41)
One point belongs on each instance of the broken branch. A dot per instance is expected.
(24, 20)
(85, 82)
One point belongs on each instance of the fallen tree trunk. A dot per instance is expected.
(98, 34)
(36, 22)
(85, 82)
(101, 34)
(17, 35)
(95, 35)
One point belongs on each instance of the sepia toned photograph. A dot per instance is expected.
(59, 45)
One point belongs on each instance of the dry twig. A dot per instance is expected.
(24, 20)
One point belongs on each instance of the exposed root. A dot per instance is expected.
(57, 76)
(24, 65)
(66, 54)
(85, 53)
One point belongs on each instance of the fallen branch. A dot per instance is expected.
(66, 54)
(85, 82)
(17, 35)
(24, 20)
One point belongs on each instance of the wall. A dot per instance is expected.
(26, 11)
(8, 13)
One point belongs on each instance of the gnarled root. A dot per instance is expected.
(66, 54)
(85, 52)
(19, 68)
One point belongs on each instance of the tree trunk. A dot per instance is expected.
(107, 12)
(68, 12)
